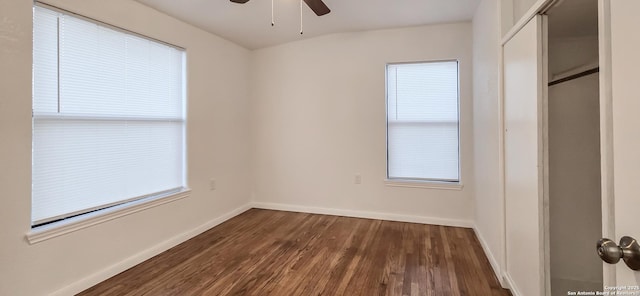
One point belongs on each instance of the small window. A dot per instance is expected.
(423, 121)
(108, 117)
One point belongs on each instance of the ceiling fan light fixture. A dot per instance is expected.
(318, 6)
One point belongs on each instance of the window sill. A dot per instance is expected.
(46, 232)
(424, 184)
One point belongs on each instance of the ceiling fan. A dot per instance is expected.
(316, 5)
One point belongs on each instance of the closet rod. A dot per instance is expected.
(575, 76)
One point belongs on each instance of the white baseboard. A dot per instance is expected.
(125, 264)
(511, 285)
(492, 259)
(363, 214)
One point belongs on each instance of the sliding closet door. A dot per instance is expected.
(523, 110)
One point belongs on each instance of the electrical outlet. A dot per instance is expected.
(212, 184)
(357, 179)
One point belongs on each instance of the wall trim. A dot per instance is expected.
(43, 233)
(458, 186)
(511, 285)
(363, 214)
(538, 7)
(492, 259)
(129, 262)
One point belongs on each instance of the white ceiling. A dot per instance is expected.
(249, 24)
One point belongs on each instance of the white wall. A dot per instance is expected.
(218, 146)
(319, 119)
(489, 201)
(520, 7)
(570, 53)
(512, 11)
(574, 173)
(506, 16)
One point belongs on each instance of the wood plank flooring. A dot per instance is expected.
(262, 252)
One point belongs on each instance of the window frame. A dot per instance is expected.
(417, 182)
(125, 207)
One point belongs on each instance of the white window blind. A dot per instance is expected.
(108, 117)
(422, 121)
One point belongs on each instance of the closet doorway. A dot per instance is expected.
(573, 176)
(570, 176)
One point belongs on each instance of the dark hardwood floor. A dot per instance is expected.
(263, 252)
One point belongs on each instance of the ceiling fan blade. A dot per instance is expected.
(240, 1)
(318, 7)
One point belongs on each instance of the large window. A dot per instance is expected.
(108, 117)
(422, 121)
